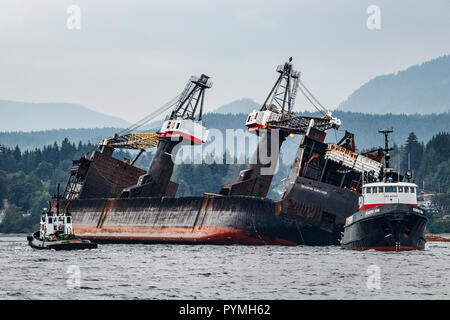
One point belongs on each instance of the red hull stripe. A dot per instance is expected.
(200, 235)
(172, 134)
(370, 206)
(390, 248)
(256, 127)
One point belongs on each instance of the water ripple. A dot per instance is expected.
(221, 272)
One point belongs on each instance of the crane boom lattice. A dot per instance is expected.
(138, 141)
(300, 124)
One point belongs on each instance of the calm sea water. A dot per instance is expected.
(221, 272)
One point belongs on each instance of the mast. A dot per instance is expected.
(387, 155)
(57, 200)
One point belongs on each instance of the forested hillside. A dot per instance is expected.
(29, 178)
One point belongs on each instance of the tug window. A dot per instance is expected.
(380, 189)
(68, 219)
(374, 190)
(412, 189)
(400, 189)
(50, 220)
(390, 189)
(368, 190)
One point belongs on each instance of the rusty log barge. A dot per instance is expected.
(112, 201)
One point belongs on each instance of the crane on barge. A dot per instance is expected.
(183, 125)
(273, 123)
(103, 176)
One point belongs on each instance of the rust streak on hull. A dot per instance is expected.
(205, 235)
(434, 238)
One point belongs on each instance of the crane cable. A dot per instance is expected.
(306, 96)
(300, 85)
(151, 116)
(310, 97)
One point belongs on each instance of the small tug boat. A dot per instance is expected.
(388, 218)
(56, 233)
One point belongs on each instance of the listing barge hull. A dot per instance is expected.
(312, 210)
(395, 227)
(195, 220)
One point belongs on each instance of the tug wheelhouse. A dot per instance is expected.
(52, 224)
(382, 193)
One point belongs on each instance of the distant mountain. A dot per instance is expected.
(422, 89)
(26, 116)
(39, 139)
(244, 105)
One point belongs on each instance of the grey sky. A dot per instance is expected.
(132, 56)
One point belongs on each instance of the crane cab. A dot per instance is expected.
(382, 193)
(185, 129)
(259, 119)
